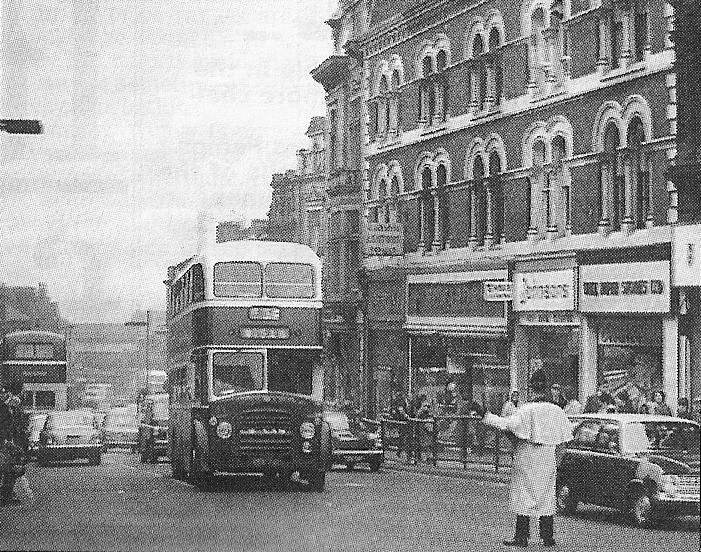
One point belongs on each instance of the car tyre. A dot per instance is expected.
(96, 459)
(565, 499)
(375, 465)
(42, 460)
(196, 476)
(640, 510)
(350, 466)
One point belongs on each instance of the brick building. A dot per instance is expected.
(517, 210)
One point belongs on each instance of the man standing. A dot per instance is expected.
(538, 427)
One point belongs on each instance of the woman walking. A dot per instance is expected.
(538, 427)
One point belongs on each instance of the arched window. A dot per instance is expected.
(538, 49)
(478, 204)
(497, 84)
(639, 176)
(428, 218)
(444, 206)
(540, 212)
(496, 197)
(558, 39)
(560, 189)
(383, 106)
(612, 186)
(479, 74)
(394, 115)
(427, 94)
(394, 197)
(427, 65)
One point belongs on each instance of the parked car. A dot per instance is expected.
(352, 442)
(35, 425)
(121, 428)
(69, 435)
(644, 465)
(154, 428)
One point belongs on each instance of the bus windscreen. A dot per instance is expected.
(236, 372)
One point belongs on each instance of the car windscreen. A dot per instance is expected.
(236, 372)
(662, 436)
(120, 420)
(290, 370)
(337, 420)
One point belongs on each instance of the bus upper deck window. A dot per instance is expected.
(238, 279)
(289, 280)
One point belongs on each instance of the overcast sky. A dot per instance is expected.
(154, 111)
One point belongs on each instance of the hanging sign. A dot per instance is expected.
(384, 240)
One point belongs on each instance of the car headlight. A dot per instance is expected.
(213, 421)
(307, 430)
(224, 430)
(669, 484)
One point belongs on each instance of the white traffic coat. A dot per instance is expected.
(539, 427)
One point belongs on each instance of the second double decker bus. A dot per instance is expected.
(37, 360)
(244, 362)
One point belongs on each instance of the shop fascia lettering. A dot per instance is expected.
(544, 290)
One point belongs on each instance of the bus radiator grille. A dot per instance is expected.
(265, 430)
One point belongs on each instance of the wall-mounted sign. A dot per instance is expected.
(497, 291)
(686, 255)
(384, 239)
(557, 318)
(625, 287)
(544, 291)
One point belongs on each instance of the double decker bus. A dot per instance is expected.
(244, 363)
(37, 359)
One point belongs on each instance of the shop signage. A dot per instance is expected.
(464, 299)
(384, 239)
(544, 291)
(561, 318)
(497, 291)
(625, 287)
(686, 255)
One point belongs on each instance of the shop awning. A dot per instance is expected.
(457, 327)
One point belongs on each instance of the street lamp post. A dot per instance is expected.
(147, 323)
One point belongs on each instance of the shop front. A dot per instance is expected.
(631, 334)
(686, 278)
(386, 339)
(456, 335)
(547, 333)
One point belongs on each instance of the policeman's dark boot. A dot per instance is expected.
(521, 536)
(546, 530)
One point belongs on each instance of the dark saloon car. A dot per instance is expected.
(353, 442)
(69, 435)
(153, 430)
(644, 465)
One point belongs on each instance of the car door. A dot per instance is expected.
(611, 468)
(576, 467)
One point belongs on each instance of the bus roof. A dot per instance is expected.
(250, 250)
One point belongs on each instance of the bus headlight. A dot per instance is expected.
(224, 430)
(306, 430)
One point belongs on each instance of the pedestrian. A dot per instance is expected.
(11, 455)
(540, 429)
(594, 402)
(556, 396)
(624, 404)
(511, 405)
(573, 406)
(661, 408)
(683, 410)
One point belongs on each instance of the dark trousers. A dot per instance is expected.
(523, 528)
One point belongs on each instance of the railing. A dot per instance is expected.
(447, 438)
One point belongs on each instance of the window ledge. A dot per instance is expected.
(634, 68)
